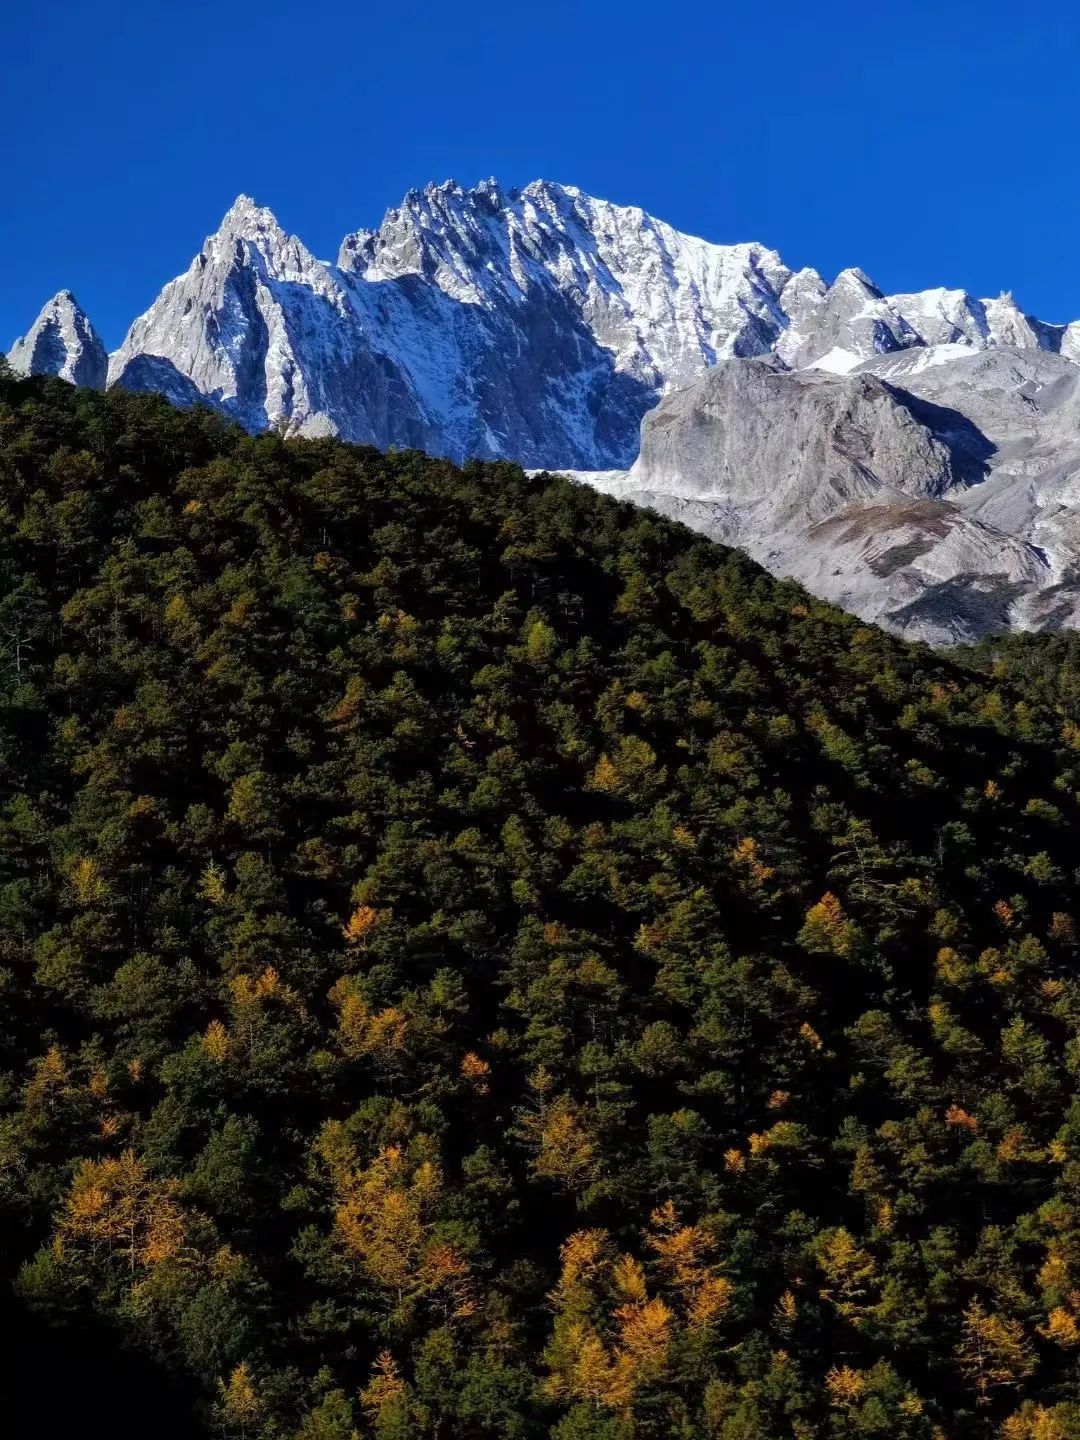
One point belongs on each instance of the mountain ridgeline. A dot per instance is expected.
(910, 457)
(481, 962)
(537, 325)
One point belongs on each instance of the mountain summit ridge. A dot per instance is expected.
(537, 324)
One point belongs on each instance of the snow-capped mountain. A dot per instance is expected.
(62, 342)
(262, 329)
(913, 457)
(538, 325)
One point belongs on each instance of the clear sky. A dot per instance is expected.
(929, 143)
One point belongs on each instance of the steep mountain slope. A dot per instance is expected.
(663, 302)
(538, 325)
(852, 321)
(260, 327)
(479, 960)
(934, 490)
(62, 342)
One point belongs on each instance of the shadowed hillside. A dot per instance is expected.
(478, 960)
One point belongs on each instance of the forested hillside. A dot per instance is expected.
(479, 962)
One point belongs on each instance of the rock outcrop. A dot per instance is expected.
(936, 492)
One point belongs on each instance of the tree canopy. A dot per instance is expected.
(480, 961)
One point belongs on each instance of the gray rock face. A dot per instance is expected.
(822, 444)
(258, 327)
(938, 496)
(151, 375)
(62, 342)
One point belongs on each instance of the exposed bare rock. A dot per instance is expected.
(938, 499)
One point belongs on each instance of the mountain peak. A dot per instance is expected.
(553, 187)
(64, 301)
(250, 236)
(62, 342)
(439, 187)
(854, 278)
(242, 206)
(247, 219)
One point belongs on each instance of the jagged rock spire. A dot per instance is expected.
(62, 342)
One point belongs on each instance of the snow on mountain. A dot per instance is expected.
(665, 303)
(541, 324)
(62, 342)
(853, 322)
(912, 457)
(538, 325)
(945, 317)
(803, 300)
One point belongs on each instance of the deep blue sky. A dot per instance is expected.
(930, 142)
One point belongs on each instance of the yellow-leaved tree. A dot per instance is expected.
(380, 1035)
(116, 1207)
(387, 1221)
(387, 1403)
(615, 1329)
(993, 1353)
(849, 1273)
(123, 1229)
(564, 1149)
(827, 929)
(1039, 1422)
(239, 1403)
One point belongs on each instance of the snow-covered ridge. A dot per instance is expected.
(538, 324)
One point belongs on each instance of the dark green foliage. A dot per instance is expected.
(479, 961)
